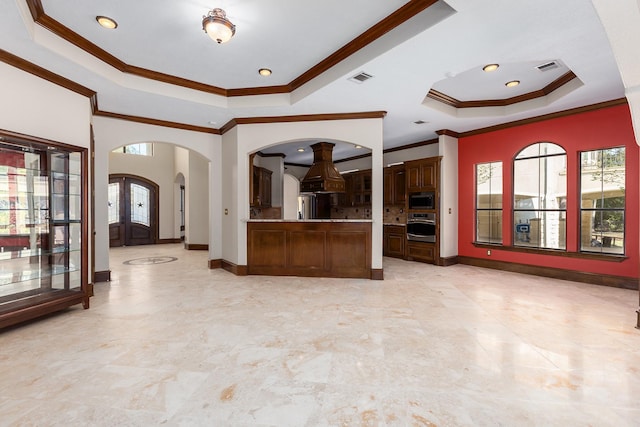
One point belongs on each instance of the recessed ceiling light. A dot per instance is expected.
(264, 72)
(106, 22)
(512, 83)
(419, 122)
(358, 146)
(300, 150)
(490, 67)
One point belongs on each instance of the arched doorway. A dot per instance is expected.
(133, 210)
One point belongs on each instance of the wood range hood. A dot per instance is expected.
(323, 176)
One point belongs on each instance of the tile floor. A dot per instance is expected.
(176, 344)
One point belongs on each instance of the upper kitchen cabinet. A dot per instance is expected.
(395, 191)
(261, 187)
(422, 175)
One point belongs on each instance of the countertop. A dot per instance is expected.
(401, 224)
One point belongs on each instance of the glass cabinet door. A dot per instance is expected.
(42, 261)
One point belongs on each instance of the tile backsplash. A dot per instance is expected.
(390, 214)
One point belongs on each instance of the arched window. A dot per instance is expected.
(539, 196)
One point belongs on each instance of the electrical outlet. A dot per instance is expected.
(489, 252)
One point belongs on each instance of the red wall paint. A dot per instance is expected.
(607, 127)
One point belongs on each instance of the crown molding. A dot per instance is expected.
(300, 118)
(564, 113)
(401, 15)
(156, 122)
(453, 102)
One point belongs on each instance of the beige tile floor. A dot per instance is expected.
(177, 344)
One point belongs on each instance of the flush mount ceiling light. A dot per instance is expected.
(264, 72)
(217, 26)
(512, 83)
(300, 150)
(490, 67)
(106, 22)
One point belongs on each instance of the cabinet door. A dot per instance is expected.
(388, 187)
(265, 188)
(395, 245)
(429, 176)
(414, 177)
(399, 186)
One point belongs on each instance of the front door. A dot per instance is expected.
(133, 211)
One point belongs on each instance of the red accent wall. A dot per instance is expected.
(607, 127)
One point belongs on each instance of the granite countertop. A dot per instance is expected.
(309, 220)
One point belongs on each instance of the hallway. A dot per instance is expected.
(170, 342)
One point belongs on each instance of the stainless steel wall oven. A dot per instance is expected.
(421, 227)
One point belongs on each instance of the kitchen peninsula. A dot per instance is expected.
(312, 248)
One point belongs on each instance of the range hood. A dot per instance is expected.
(322, 177)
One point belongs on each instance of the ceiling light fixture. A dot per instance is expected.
(358, 146)
(264, 72)
(490, 67)
(300, 150)
(106, 22)
(217, 26)
(512, 83)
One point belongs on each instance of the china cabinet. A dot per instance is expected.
(43, 227)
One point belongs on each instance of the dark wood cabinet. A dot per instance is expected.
(394, 241)
(422, 175)
(357, 190)
(422, 251)
(260, 187)
(395, 190)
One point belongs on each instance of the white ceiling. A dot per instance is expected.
(444, 46)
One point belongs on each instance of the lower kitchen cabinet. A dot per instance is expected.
(395, 239)
(421, 251)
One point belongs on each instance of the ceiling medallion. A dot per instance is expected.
(217, 26)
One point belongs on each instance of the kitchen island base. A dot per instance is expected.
(310, 248)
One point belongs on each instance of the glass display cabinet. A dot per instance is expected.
(43, 227)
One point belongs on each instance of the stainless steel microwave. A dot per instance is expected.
(422, 200)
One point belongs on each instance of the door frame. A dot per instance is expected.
(156, 208)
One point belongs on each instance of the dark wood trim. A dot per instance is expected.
(196, 247)
(215, 263)
(447, 261)
(348, 159)
(555, 273)
(261, 154)
(238, 270)
(412, 145)
(564, 113)
(36, 9)
(300, 165)
(398, 17)
(301, 118)
(448, 133)
(406, 12)
(102, 276)
(552, 252)
(453, 102)
(377, 274)
(31, 308)
(38, 71)
(156, 122)
(168, 241)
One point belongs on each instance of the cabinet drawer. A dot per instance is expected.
(421, 251)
